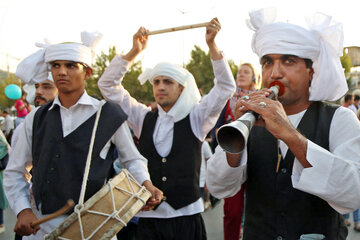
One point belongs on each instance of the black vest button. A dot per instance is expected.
(279, 238)
(164, 160)
(164, 179)
(164, 198)
(57, 155)
(283, 170)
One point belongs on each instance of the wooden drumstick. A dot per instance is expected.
(177, 28)
(70, 203)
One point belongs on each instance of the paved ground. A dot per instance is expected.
(213, 221)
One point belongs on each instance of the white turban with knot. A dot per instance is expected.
(322, 43)
(34, 68)
(189, 97)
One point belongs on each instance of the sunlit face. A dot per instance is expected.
(292, 72)
(45, 91)
(166, 91)
(69, 76)
(244, 77)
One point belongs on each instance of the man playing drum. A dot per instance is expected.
(57, 136)
(302, 158)
(171, 137)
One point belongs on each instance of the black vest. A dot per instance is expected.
(59, 162)
(273, 207)
(177, 175)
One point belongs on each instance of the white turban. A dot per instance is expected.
(34, 68)
(322, 43)
(189, 97)
(31, 90)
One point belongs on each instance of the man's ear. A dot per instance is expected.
(88, 73)
(311, 75)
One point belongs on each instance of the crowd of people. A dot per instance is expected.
(298, 176)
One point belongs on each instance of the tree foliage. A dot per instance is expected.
(142, 93)
(5, 102)
(130, 82)
(346, 64)
(201, 68)
(101, 62)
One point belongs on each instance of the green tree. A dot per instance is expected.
(142, 93)
(101, 63)
(5, 102)
(130, 82)
(234, 68)
(201, 68)
(346, 64)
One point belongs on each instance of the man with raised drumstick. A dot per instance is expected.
(302, 159)
(56, 139)
(171, 137)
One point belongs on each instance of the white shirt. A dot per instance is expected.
(205, 155)
(16, 186)
(353, 108)
(202, 118)
(333, 177)
(15, 136)
(7, 125)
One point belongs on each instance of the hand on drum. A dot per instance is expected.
(156, 198)
(23, 225)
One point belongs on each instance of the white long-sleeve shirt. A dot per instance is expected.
(17, 188)
(334, 175)
(202, 117)
(205, 155)
(8, 125)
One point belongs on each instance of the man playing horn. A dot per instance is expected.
(301, 161)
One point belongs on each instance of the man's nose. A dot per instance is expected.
(38, 92)
(161, 85)
(276, 72)
(61, 70)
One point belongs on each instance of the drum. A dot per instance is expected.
(105, 213)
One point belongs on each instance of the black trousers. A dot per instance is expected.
(179, 228)
(128, 232)
(17, 237)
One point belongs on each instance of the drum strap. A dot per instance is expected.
(88, 160)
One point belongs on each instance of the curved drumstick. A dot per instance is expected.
(70, 203)
(198, 25)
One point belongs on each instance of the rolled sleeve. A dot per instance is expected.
(335, 174)
(316, 177)
(223, 180)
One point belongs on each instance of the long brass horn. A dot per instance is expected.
(232, 137)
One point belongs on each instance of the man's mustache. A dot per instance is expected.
(40, 98)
